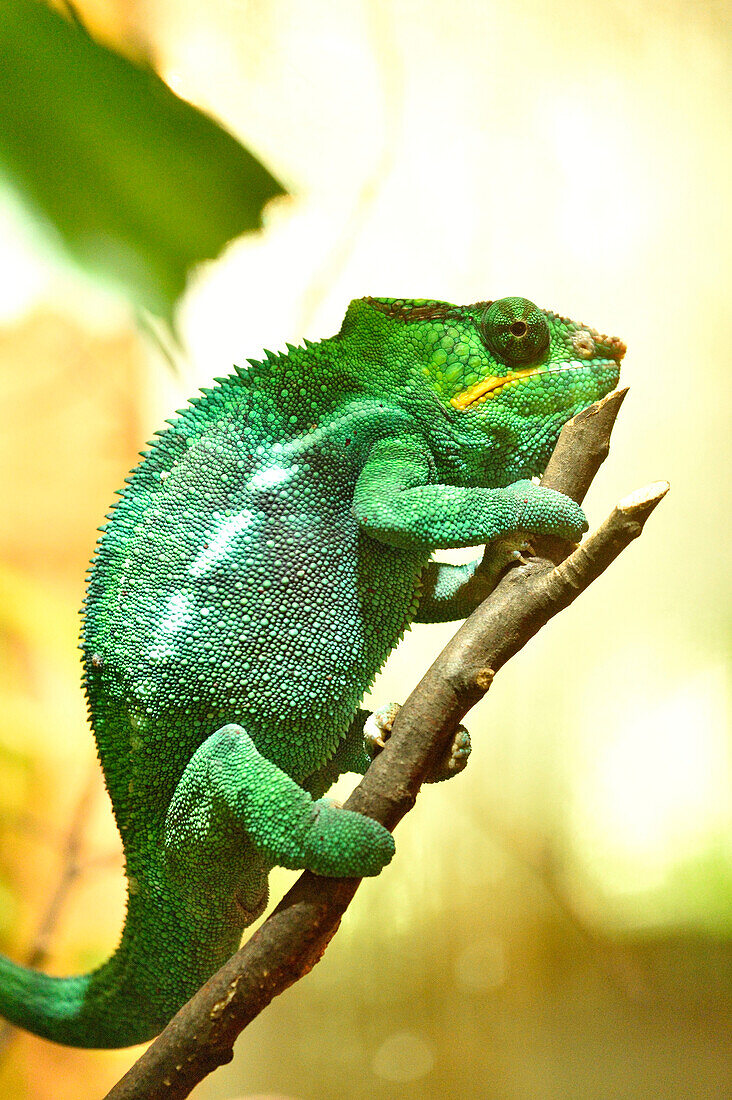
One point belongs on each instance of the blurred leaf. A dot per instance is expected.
(138, 184)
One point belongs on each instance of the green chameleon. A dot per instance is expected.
(264, 559)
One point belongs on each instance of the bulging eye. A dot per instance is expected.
(515, 330)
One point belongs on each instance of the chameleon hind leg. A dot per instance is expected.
(377, 730)
(367, 736)
(228, 787)
(350, 756)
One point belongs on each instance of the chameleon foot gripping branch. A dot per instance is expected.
(263, 560)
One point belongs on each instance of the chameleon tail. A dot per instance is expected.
(101, 1009)
(162, 959)
(50, 1007)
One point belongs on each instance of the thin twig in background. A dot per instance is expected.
(71, 869)
(621, 968)
(74, 14)
(201, 1036)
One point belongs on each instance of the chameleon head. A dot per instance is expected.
(529, 358)
(506, 373)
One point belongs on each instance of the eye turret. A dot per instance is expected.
(515, 330)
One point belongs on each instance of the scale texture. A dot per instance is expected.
(261, 563)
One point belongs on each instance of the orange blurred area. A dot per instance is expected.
(71, 402)
(558, 922)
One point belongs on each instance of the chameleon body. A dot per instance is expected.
(265, 557)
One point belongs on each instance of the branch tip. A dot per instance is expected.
(641, 498)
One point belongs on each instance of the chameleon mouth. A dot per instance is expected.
(490, 387)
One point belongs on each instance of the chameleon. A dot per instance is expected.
(263, 559)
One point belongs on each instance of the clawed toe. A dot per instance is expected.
(377, 728)
(455, 759)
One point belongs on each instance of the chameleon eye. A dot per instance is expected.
(515, 330)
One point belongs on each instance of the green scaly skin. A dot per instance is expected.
(264, 559)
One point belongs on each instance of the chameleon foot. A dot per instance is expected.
(455, 758)
(501, 553)
(377, 730)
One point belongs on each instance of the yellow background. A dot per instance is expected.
(558, 921)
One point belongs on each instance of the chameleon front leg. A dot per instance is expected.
(397, 502)
(450, 592)
(350, 756)
(229, 788)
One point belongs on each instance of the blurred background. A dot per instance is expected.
(558, 921)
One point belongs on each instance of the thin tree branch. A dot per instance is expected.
(293, 939)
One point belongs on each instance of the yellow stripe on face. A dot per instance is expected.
(487, 385)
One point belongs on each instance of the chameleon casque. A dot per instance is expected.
(265, 557)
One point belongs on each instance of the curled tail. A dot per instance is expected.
(165, 955)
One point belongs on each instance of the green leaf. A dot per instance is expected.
(138, 184)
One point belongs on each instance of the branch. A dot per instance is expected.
(293, 939)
